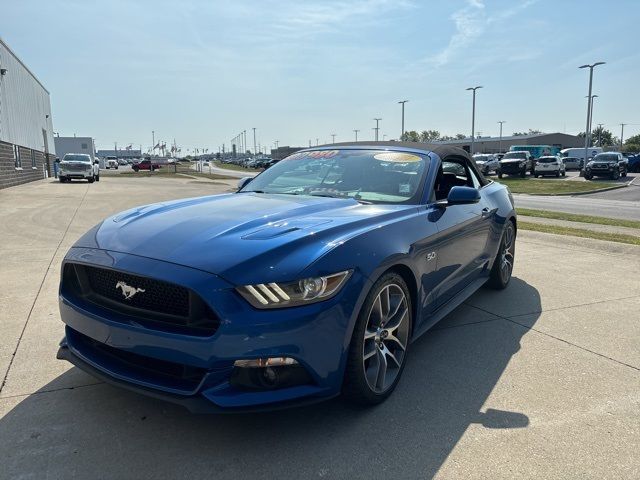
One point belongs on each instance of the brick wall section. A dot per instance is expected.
(9, 176)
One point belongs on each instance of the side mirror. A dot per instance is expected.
(96, 162)
(243, 182)
(461, 196)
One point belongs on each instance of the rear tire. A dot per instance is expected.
(588, 176)
(503, 264)
(615, 175)
(90, 180)
(379, 343)
(523, 173)
(500, 174)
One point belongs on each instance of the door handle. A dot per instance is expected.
(486, 212)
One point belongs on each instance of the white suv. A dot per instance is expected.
(549, 165)
(79, 166)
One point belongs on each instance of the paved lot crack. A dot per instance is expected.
(52, 390)
(44, 277)
(511, 319)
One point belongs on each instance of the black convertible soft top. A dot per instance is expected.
(443, 151)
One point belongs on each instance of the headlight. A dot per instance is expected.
(291, 294)
(589, 164)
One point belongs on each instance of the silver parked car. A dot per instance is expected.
(549, 165)
(487, 163)
(574, 163)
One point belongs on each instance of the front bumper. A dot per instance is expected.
(77, 175)
(316, 335)
(512, 167)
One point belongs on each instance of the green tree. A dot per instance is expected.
(428, 136)
(410, 136)
(445, 138)
(601, 137)
(632, 144)
(460, 136)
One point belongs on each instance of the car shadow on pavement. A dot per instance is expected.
(101, 431)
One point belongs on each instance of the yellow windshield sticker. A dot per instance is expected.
(397, 157)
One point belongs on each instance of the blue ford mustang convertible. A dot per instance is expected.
(310, 281)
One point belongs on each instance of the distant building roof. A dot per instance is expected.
(509, 138)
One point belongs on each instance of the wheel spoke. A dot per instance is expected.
(382, 370)
(393, 324)
(396, 340)
(385, 303)
(369, 334)
(372, 351)
(387, 353)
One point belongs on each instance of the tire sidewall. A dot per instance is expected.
(355, 384)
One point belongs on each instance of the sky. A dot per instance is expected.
(200, 72)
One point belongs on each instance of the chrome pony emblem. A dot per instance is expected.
(127, 290)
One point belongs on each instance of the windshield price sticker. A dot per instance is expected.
(397, 157)
(313, 154)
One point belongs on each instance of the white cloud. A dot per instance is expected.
(471, 22)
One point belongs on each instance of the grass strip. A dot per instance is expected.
(578, 232)
(535, 186)
(572, 217)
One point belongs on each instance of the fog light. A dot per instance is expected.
(268, 374)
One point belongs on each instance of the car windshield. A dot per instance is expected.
(481, 158)
(547, 160)
(72, 157)
(605, 157)
(514, 155)
(369, 176)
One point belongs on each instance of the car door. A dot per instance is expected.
(462, 248)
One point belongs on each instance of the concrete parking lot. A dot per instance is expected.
(541, 380)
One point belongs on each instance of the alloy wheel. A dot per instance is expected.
(507, 253)
(385, 338)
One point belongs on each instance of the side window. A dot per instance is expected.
(33, 158)
(475, 182)
(16, 156)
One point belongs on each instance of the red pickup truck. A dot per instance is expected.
(145, 165)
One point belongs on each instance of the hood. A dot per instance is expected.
(513, 160)
(240, 237)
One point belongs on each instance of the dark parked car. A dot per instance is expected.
(302, 285)
(516, 163)
(634, 162)
(609, 164)
(145, 165)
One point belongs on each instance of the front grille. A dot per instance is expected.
(157, 304)
(158, 372)
(148, 294)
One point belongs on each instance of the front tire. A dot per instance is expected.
(379, 342)
(523, 173)
(615, 175)
(500, 174)
(503, 264)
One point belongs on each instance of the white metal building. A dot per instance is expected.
(26, 128)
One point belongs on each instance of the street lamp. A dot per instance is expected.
(473, 116)
(333, 138)
(255, 152)
(591, 114)
(587, 132)
(402, 102)
(356, 132)
(500, 143)
(377, 127)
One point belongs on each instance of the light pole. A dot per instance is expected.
(500, 143)
(622, 135)
(473, 116)
(402, 102)
(384, 137)
(153, 141)
(356, 132)
(255, 152)
(317, 142)
(587, 132)
(377, 127)
(591, 115)
(333, 138)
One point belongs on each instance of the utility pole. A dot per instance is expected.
(254, 141)
(153, 141)
(333, 138)
(316, 142)
(591, 115)
(356, 132)
(587, 133)
(473, 117)
(402, 102)
(500, 143)
(622, 135)
(244, 132)
(377, 127)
